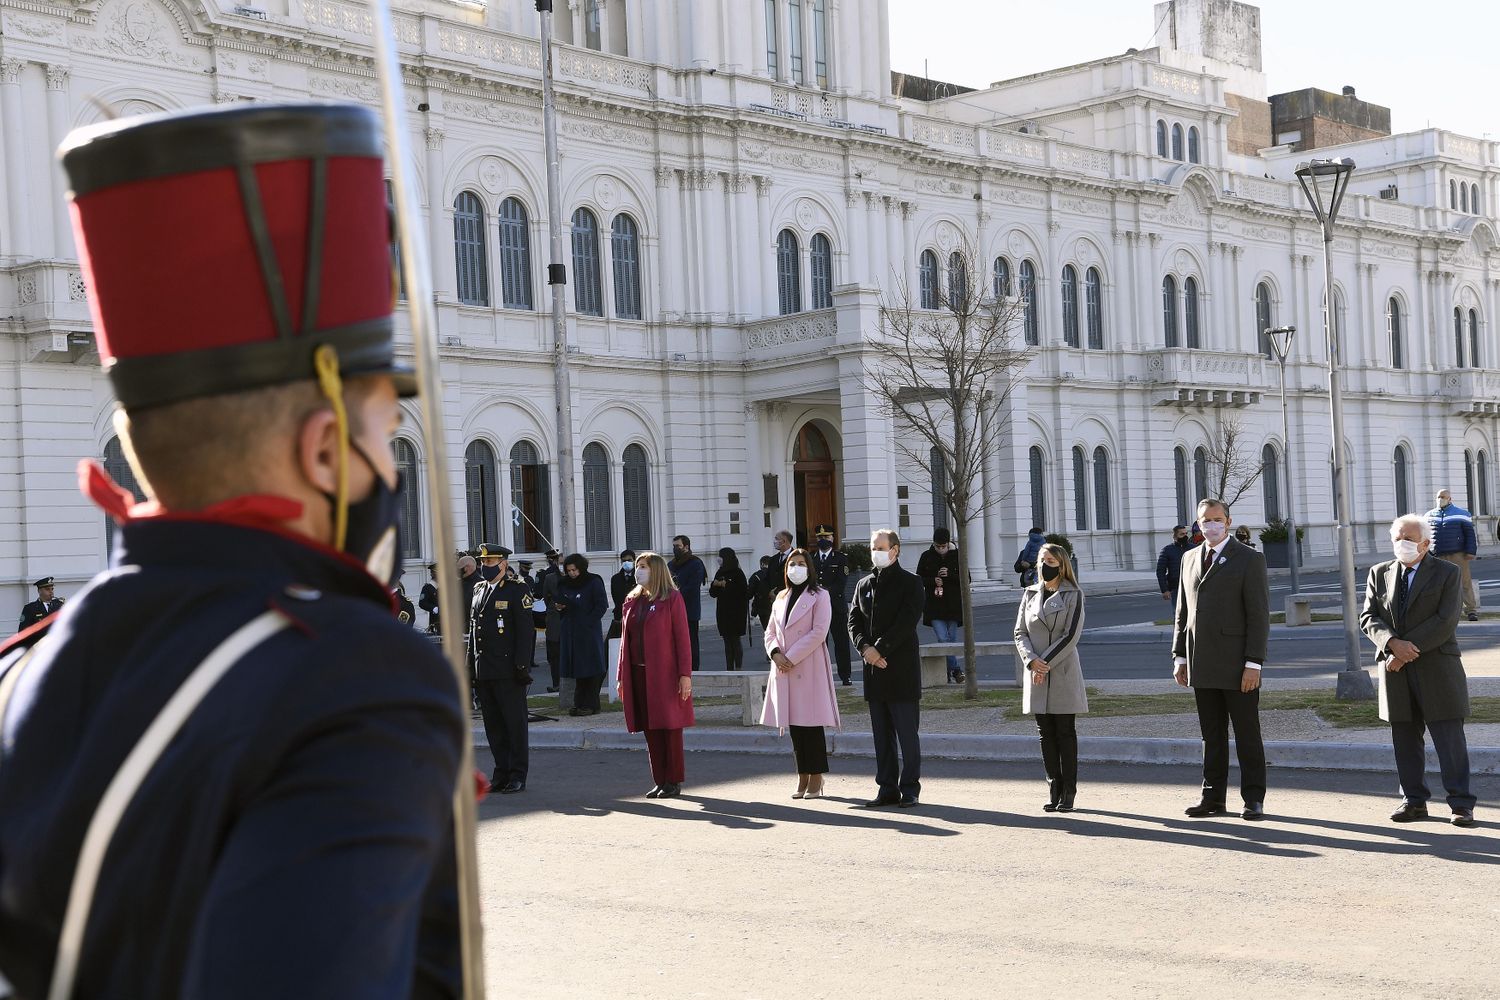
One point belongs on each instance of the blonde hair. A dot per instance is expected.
(661, 583)
(1064, 564)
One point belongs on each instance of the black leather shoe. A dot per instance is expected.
(1473, 617)
(1253, 811)
(907, 801)
(1462, 817)
(1409, 813)
(670, 791)
(552, 690)
(1205, 808)
(1050, 807)
(512, 787)
(1066, 805)
(655, 792)
(882, 800)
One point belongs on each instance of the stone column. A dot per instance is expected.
(716, 281)
(909, 271)
(439, 226)
(746, 294)
(857, 253)
(869, 486)
(875, 235)
(895, 256)
(880, 59)
(21, 239)
(705, 54)
(844, 49)
(1237, 304)
(770, 306)
(758, 39)
(671, 240)
(57, 130)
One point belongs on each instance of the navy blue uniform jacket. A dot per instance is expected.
(295, 839)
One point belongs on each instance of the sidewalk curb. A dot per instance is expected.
(1314, 755)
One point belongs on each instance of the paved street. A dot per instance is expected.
(735, 890)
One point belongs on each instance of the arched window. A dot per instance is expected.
(1031, 321)
(637, 493)
(1177, 142)
(1463, 197)
(927, 280)
(588, 289)
(1080, 489)
(1169, 309)
(820, 254)
(1339, 316)
(1453, 195)
(1161, 138)
(1458, 337)
(598, 533)
(411, 499)
(1403, 491)
(1469, 480)
(1070, 305)
(1474, 198)
(958, 282)
(482, 494)
(1180, 481)
(531, 494)
(625, 244)
(1002, 277)
(468, 248)
(1038, 470)
(1101, 489)
(1393, 327)
(939, 469)
(515, 257)
(1263, 320)
(1093, 298)
(1474, 360)
(1194, 153)
(1482, 474)
(1270, 478)
(1200, 473)
(1190, 312)
(788, 272)
(120, 471)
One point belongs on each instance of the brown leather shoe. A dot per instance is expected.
(1409, 813)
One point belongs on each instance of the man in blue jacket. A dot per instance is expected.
(1454, 540)
(688, 572)
(1169, 563)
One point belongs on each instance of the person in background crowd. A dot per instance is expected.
(1454, 541)
(620, 586)
(1049, 624)
(782, 544)
(546, 582)
(761, 593)
(688, 576)
(731, 592)
(1411, 615)
(832, 570)
(1242, 535)
(883, 625)
(800, 694)
(1026, 561)
(468, 579)
(656, 671)
(522, 572)
(428, 601)
(46, 604)
(944, 607)
(582, 605)
(1169, 563)
(501, 645)
(406, 614)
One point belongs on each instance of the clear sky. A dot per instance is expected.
(1432, 64)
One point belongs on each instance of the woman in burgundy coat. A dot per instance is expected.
(656, 671)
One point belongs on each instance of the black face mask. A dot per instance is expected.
(489, 572)
(373, 533)
(825, 544)
(1050, 573)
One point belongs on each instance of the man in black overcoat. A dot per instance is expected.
(833, 576)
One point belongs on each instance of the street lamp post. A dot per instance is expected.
(1316, 176)
(1281, 345)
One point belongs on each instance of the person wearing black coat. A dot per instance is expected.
(883, 624)
(620, 586)
(1169, 563)
(833, 574)
(944, 610)
(731, 591)
(581, 607)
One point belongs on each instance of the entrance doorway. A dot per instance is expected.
(814, 484)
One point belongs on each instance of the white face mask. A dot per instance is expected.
(643, 576)
(797, 574)
(881, 558)
(626, 566)
(1406, 550)
(1214, 531)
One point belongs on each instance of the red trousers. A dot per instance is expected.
(664, 747)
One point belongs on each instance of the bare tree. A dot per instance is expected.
(943, 367)
(1233, 465)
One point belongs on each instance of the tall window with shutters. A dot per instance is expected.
(1070, 305)
(1002, 278)
(481, 491)
(515, 256)
(1093, 296)
(625, 249)
(1080, 489)
(820, 264)
(1031, 318)
(927, 280)
(1180, 482)
(1169, 309)
(939, 488)
(794, 38)
(1402, 481)
(820, 42)
(958, 282)
(1263, 319)
(1469, 493)
(1190, 312)
(1482, 477)
(1161, 138)
(1200, 475)
(1474, 359)
(1177, 142)
(588, 291)
(468, 246)
(1393, 328)
(637, 495)
(788, 272)
(411, 498)
(773, 50)
(531, 494)
(1038, 472)
(1270, 479)
(598, 532)
(1102, 519)
(1194, 153)
(120, 471)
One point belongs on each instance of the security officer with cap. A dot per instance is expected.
(833, 571)
(501, 642)
(44, 605)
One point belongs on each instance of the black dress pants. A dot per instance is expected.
(502, 703)
(1217, 710)
(693, 640)
(810, 749)
(893, 724)
(839, 630)
(1059, 739)
(554, 660)
(1448, 741)
(586, 692)
(734, 652)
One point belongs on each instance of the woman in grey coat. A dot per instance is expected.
(1049, 624)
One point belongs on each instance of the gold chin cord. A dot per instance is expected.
(326, 363)
(415, 268)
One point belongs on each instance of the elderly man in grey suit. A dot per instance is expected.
(1218, 649)
(1412, 606)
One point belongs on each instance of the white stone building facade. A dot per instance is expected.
(741, 189)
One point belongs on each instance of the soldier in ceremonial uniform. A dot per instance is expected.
(44, 605)
(280, 752)
(833, 572)
(502, 639)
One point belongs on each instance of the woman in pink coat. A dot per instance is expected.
(800, 694)
(656, 671)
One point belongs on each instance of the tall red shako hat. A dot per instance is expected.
(223, 247)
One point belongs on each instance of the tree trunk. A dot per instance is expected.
(966, 596)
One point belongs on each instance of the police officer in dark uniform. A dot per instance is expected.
(833, 571)
(44, 605)
(502, 639)
(406, 612)
(295, 836)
